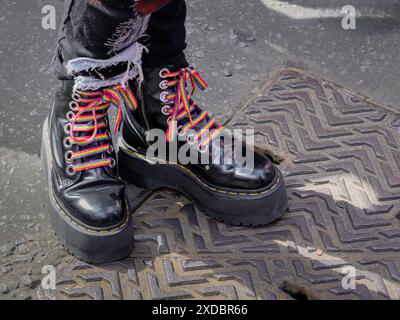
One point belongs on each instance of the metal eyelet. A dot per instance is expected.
(166, 110)
(202, 148)
(67, 143)
(76, 96)
(113, 163)
(162, 72)
(68, 156)
(163, 96)
(67, 128)
(180, 131)
(110, 149)
(169, 120)
(70, 171)
(73, 105)
(207, 167)
(190, 139)
(163, 85)
(70, 115)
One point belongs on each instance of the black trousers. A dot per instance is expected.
(100, 29)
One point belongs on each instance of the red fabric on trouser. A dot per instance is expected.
(146, 7)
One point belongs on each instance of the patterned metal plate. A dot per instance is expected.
(342, 167)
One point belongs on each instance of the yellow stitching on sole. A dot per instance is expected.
(90, 230)
(208, 186)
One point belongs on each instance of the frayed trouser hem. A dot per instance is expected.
(132, 55)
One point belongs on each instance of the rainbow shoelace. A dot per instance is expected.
(186, 108)
(88, 127)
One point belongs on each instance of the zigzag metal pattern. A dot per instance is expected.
(342, 167)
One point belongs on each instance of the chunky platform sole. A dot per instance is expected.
(90, 245)
(237, 208)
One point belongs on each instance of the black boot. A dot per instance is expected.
(225, 191)
(88, 208)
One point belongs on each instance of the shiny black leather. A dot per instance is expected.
(94, 198)
(226, 176)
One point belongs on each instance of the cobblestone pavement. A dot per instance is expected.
(341, 160)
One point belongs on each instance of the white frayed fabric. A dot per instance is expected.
(128, 32)
(132, 55)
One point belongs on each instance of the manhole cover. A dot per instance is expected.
(343, 176)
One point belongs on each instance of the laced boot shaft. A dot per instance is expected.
(184, 113)
(88, 138)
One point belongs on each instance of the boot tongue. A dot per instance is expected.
(94, 172)
(94, 144)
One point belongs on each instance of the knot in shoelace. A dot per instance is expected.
(88, 126)
(185, 107)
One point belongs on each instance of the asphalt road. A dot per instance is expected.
(236, 44)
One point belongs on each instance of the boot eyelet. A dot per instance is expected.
(110, 149)
(166, 110)
(73, 105)
(70, 115)
(190, 139)
(76, 96)
(67, 143)
(180, 131)
(207, 167)
(202, 148)
(113, 163)
(163, 96)
(70, 171)
(163, 85)
(68, 156)
(162, 73)
(169, 120)
(67, 128)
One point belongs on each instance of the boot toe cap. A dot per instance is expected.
(260, 176)
(101, 208)
(241, 177)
